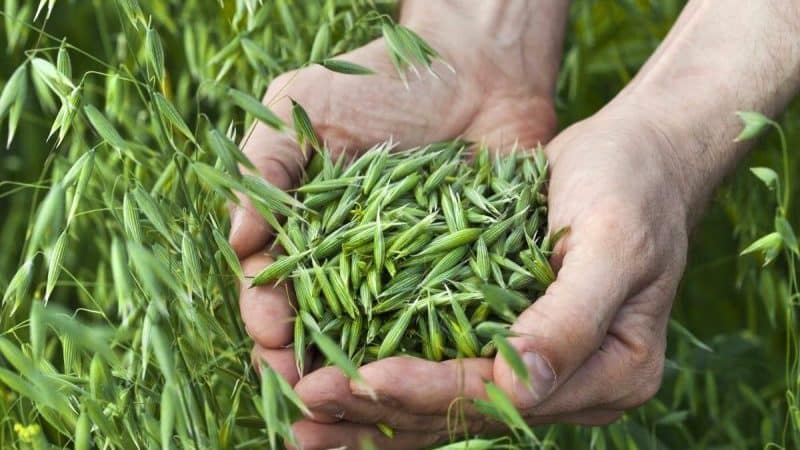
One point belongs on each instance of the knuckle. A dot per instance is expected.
(279, 168)
(640, 352)
(625, 223)
(307, 438)
(641, 371)
(647, 382)
(337, 135)
(280, 83)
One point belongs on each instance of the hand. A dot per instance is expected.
(499, 94)
(594, 342)
(629, 182)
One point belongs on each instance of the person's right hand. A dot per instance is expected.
(506, 60)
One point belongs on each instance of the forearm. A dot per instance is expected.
(720, 57)
(531, 30)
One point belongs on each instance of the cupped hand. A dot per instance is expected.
(497, 94)
(593, 343)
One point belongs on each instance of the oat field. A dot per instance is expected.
(119, 324)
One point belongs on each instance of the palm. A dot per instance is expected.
(352, 113)
(603, 319)
(620, 264)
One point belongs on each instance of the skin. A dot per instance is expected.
(630, 182)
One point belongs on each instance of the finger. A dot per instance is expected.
(627, 370)
(569, 322)
(277, 159)
(590, 417)
(450, 387)
(398, 380)
(266, 310)
(313, 435)
(280, 360)
(318, 436)
(326, 392)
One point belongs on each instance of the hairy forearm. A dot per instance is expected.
(530, 30)
(721, 56)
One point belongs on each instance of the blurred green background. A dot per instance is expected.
(732, 394)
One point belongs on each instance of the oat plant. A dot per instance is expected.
(118, 319)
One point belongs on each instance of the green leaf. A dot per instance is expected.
(151, 209)
(228, 254)
(503, 301)
(290, 394)
(769, 244)
(12, 89)
(322, 42)
(165, 355)
(49, 218)
(768, 176)
(83, 432)
(24, 388)
(257, 109)
(767, 292)
(221, 145)
(54, 79)
(513, 359)
(20, 283)
(754, 124)
(63, 62)
(673, 418)
(155, 53)
(303, 127)
(16, 91)
(680, 329)
(335, 355)
(399, 55)
(93, 338)
(169, 412)
(273, 407)
(345, 67)
(257, 56)
(168, 112)
(133, 12)
(54, 264)
(104, 127)
(37, 330)
(275, 198)
(285, 14)
(506, 408)
(784, 228)
(40, 8)
(216, 178)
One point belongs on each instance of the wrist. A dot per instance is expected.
(671, 152)
(715, 61)
(520, 40)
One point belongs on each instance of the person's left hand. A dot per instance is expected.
(594, 342)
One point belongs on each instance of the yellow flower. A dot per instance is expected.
(27, 433)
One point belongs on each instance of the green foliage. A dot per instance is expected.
(140, 342)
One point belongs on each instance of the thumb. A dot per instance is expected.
(565, 326)
(280, 162)
(277, 158)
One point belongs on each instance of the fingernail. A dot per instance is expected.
(362, 389)
(542, 380)
(333, 410)
(236, 220)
